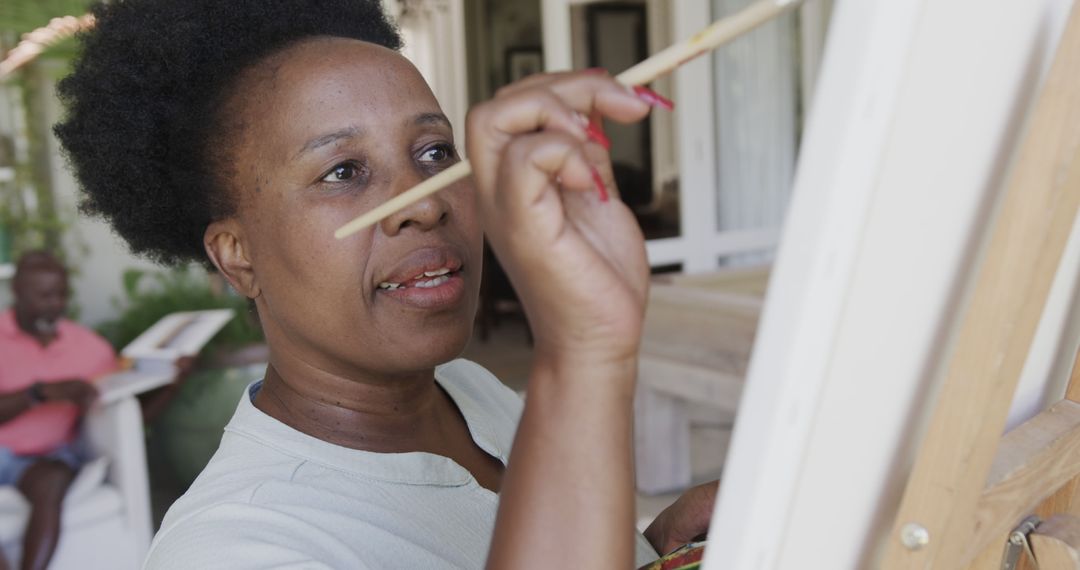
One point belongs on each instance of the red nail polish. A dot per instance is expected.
(601, 188)
(653, 98)
(596, 133)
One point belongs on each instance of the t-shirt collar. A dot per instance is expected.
(409, 468)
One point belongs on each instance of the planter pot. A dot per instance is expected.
(188, 433)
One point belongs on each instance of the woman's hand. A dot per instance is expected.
(578, 265)
(577, 262)
(685, 520)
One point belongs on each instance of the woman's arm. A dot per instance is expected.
(578, 265)
(567, 498)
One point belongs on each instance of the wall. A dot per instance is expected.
(433, 33)
(492, 27)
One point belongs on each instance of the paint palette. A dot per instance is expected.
(686, 557)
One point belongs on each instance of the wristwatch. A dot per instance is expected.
(36, 394)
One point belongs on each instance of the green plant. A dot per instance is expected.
(21, 16)
(5, 245)
(27, 205)
(151, 296)
(30, 216)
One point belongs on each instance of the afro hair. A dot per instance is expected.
(143, 127)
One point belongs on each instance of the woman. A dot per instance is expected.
(243, 132)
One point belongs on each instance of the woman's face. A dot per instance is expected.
(329, 129)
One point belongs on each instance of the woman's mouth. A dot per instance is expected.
(435, 289)
(425, 280)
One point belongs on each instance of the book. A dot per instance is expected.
(174, 336)
(149, 361)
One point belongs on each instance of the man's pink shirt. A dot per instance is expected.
(77, 352)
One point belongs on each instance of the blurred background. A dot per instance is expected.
(709, 184)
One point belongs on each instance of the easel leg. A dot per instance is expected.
(1065, 501)
(1057, 543)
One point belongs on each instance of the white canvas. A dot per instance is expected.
(909, 138)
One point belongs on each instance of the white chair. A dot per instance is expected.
(106, 521)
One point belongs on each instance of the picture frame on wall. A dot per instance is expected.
(522, 62)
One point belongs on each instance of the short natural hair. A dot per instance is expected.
(144, 130)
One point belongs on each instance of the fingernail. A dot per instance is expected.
(596, 133)
(653, 98)
(601, 188)
(596, 70)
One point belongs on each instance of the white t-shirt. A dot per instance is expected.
(273, 497)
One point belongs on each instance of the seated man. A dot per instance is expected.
(46, 365)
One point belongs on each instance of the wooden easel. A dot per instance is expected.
(970, 487)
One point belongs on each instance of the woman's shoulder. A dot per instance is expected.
(242, 535)
(235, 515)
(478, 384)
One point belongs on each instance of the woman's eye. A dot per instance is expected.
(438, 153)
(342, 173)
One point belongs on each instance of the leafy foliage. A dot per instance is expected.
(21, 16)
(28, 210)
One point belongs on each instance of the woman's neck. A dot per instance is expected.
(405, 413)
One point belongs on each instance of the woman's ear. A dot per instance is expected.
(224, 245)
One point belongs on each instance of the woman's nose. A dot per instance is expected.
(423, 215)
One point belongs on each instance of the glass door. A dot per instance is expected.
(719, 169)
